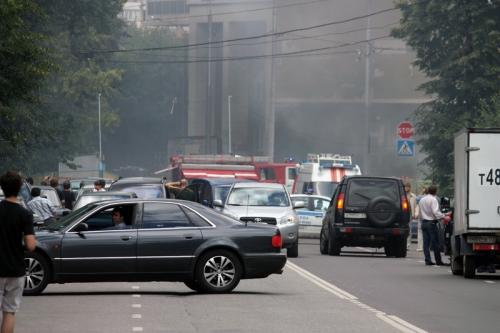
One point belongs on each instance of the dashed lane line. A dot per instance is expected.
(136, 316)
(489, 281)
(391, 320)
(137, 329)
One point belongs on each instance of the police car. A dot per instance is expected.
(311, 216)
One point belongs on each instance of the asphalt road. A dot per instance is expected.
(429, 297)
(356, 292)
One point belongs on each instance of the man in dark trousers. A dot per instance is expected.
(430, 214)
(16, 226)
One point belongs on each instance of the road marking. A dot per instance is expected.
(322, 283)
(137, 329)
(489, 281)
(137, 306)
(136, 295)
(136, 316)
(391, 320)
(136, 287)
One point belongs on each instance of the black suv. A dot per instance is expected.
(367, 211)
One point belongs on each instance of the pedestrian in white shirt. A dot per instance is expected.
(412, 199)
(430, 215)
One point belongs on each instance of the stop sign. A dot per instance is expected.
(405, 130)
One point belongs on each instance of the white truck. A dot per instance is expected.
(475, 241)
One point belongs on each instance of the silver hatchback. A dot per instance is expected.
(265, 203)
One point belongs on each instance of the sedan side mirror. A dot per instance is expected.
(81, 227)
(218, 203)
(299, 204)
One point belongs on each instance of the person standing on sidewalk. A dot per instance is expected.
(430, 215)
(412, 199)
(16, 235)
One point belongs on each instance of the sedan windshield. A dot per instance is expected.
(65, 221)
(258, 197)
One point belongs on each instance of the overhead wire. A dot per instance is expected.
(252, 57)
(90, 52)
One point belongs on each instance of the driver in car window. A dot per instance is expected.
(118, 219)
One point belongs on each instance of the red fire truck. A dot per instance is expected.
(258, 168)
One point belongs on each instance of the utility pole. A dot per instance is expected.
(208, 114)
(100, 136)
(367, 91)
(272, 115)
(229, 148)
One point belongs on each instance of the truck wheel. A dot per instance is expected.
(469, 267)
(456, 266)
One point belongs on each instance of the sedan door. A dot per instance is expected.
(102, 249)
(167, 239)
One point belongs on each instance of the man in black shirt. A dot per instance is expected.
(68, 195)
(16, 226)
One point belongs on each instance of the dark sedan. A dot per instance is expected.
(162, 240)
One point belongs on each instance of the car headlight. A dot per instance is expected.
(288, 219)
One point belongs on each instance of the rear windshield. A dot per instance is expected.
(86, 199)
(145, 191)
(362, 191)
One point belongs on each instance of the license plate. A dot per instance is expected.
(355, 215)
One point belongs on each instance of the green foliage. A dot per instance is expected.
(62, 121)
(457, 47)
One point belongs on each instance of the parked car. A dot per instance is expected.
(51, 194)
(312, 214)
(165, 240)
(143, 187)
(367, 211)
(209, 189)
(89, 197)
(265, 203)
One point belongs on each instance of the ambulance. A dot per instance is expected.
(321, 173)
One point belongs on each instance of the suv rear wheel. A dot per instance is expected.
(396, 247)
(334, 245)
(323, 241)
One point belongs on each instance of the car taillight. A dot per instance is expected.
(404, 204)
(340, 201)
(276, 241)
(485, 247)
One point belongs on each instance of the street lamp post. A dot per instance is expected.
(100, 136)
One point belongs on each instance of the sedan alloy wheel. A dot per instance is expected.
(218, 271)
(37, 274)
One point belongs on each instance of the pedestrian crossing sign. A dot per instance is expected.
(405, 147)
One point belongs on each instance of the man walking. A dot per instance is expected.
(430, 214)
(16, 225)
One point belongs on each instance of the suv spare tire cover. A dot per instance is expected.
(381, 211)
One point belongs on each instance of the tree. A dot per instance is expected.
(457, 47)
(62, 121)
(24, 63)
